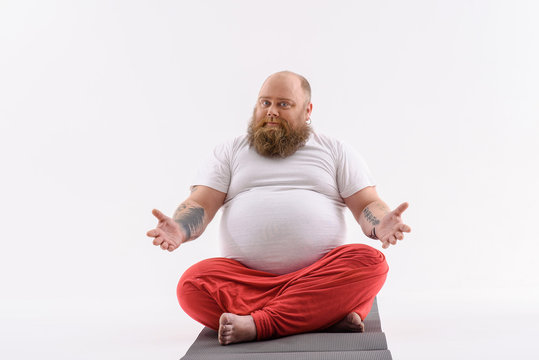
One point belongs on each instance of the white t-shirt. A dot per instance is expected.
(281, 215)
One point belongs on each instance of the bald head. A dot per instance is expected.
(296, 84)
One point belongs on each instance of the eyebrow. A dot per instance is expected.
(268, 97)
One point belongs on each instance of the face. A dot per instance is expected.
(278, 126)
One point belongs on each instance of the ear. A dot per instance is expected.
(309, 110)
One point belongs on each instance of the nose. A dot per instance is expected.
(272, 111)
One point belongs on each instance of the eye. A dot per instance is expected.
(284, 104)
(264, 102)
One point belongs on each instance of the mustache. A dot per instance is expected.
(277, 120)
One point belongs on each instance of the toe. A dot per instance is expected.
(355, 322)
(223, 339)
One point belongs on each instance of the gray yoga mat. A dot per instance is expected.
(370, 345)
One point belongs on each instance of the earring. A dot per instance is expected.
(308, 122)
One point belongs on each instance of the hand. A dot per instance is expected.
(167, 234)
(391, 227)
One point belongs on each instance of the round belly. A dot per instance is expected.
(280, 231)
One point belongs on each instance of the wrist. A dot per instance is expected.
(373, 235)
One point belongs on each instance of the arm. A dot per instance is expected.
(198, 210)
(375, 218)
(189, 220)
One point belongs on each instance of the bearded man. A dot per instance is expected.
(283, 189)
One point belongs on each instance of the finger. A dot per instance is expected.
(385, 244)
(392, 240)
(164, 246)
(158, 240)
(399, 235)
(159, 215)
(153, 233)
(405, 228)
(400, 209)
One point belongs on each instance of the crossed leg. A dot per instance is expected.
(335, 293)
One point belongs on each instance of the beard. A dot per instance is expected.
(276, 141)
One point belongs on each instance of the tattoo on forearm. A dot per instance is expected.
(373, 234)
(190, 219)
(370, 217)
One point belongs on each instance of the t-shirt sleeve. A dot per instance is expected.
(214, 171)
(353, 173)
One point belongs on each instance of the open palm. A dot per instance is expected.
(167, 234)
(391, 227)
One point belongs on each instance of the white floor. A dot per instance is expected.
(418, 326)
(442, 326)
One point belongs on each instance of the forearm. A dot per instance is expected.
(371, 216)
(192, 219)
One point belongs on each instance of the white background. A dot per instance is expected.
(107, 108)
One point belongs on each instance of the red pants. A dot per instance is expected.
(346, 279)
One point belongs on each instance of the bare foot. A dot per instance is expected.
(351, 323)
(236, 328)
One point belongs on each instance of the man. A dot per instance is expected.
(283, 189)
